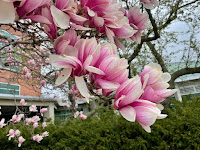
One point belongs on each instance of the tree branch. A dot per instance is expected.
(157, 56)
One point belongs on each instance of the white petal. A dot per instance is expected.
(7, 12)
(94, 70)
(82, 87)
(146, 128)
(61, 19)
(64, 75)
(128, 113)
(162, 116)
(155, 66)
(166, 77)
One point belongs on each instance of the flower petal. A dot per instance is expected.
(64, 75)
(128, 113)
(7, 12)
(82, 87)
(61, 19)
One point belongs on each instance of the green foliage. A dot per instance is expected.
(110, 131)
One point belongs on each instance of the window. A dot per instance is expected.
(4, 63)
(192, 89)
(6, 88)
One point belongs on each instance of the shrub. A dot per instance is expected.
(109, 131)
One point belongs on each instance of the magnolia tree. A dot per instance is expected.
(80, 41)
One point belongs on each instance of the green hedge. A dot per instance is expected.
(108, 131)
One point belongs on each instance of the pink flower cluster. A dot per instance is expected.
(135, 98)
(106, 16)
(138, 98)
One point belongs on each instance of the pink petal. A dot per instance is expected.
(166, 77)
(7, 12)
(64, 75)
(119, 44)
(128, 113)
(82, 87)
(78, 27)
(61, 19)
(77, 17)
(94, 70)
(104, 84)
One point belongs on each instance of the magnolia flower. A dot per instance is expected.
(116, 72)
(149, 3)
(33, 108)
(20, 141)
(43, 110)
(131, 107)
(45, 134)
(21, 116)
(82, 116)
(17, 133)
(28, 121)
(11, 134)
(35, 119)
(37, 138)
(35, 125)
(106, 17)
(16, 118)
(155, 83)
(2, 124)
(138, 22)
(28, 75)
(87, 55)
(76, 114)
(43, 82)
(22, 102)
(25, 70)
(44, 124)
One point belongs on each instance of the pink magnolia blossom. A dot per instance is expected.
(43, 82)
(65, 43)
(64, 12)
(16, 118)
(11, 134)
(28, 75)
(138, 22)
(2, 124)
(116, 72)
(43, 110)
(33, 108)
(149, 3)
(21, 116)
(44, 124)
(45, 134)
(131, 107)
(20, 141)
(37, 138)
(35, 119)
(25, 70)
(28, 121)
(35, 125)
(155, 83)
(82, 116)
(107, 18)
(76, 114)
(17, 133)
(22, 102)
(83, 63)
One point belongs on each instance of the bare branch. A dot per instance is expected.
(157, 56)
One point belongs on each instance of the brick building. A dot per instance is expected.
(14, 87)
